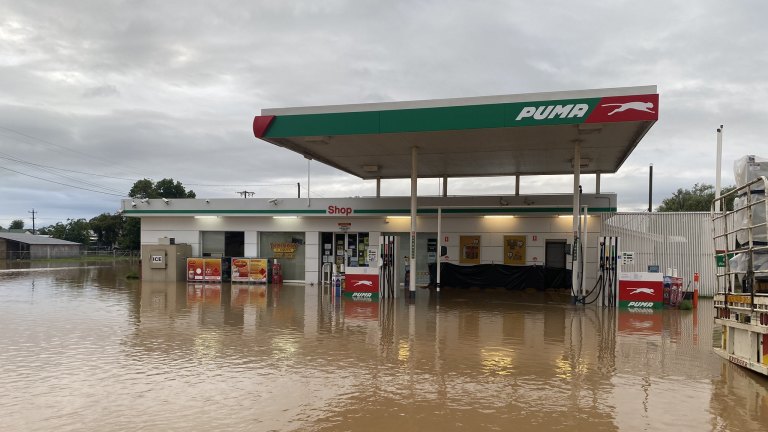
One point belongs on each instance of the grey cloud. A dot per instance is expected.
(168, 89)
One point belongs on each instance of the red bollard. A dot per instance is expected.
(695, 290)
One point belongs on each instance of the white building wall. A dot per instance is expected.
(537, 229)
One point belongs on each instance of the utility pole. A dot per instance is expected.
(33, 221)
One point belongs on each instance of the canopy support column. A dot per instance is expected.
(412, 257)
(517, 185)
(445, 186)
(576, 248)
(597, 182)
(378, 187)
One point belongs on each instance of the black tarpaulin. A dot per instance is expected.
(504, 276)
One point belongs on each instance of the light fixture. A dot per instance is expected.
(206, 217)
(285, 217)
(498, 216)
(274, 201)
(398, 217)
(207, 201)
(370, 168)
(317, 139)
(584, 162)
(166, 201)
(565, 216)
(133, 203)
(145, 201)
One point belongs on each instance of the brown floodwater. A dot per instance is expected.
(84, 349)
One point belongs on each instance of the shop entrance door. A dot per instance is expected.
(555, 254)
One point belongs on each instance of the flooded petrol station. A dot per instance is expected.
(82, 348)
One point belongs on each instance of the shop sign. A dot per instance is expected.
(284, 250)
(345, 211)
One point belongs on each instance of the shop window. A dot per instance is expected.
(223, 243)
(288, 248)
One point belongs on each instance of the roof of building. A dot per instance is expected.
(35, 239)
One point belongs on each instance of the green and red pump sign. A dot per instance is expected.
(503, 115)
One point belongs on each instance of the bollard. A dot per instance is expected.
(696, 290)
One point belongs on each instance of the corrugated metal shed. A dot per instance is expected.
(34, 239)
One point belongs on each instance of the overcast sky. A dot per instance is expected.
(115, 91)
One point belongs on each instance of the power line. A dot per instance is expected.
(9, 157)
(66, 176)
(240, 185)
(63, 184)
(58, 146)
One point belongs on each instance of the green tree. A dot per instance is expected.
(16, 224)
(130, 235)
(699, 198)
(107, 228)
(75, 230)
(130, 232)
(165, 188)
(144, 188)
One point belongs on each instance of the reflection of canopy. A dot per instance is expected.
(524, 134)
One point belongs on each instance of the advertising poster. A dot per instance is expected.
(258, 270)
(469, 247)
(638, 290)
(249, 270)
(195, 269)
(212, 269)
(361, 286)
(240, 269)
(514, 250)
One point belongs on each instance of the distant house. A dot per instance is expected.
(28, 246)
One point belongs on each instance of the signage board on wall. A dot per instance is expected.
(469, 249)
(514, 250)
(285, 250)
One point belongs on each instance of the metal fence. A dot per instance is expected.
(17, 255)
(26, 255)
(113, 253)
(681, 241)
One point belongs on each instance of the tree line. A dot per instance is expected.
(113, 230)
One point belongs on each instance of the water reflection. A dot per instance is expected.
(84, 349)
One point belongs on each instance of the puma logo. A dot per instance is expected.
(364, 282)
(639, 106)
(642, 290)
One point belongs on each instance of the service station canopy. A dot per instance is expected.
(527, 134)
